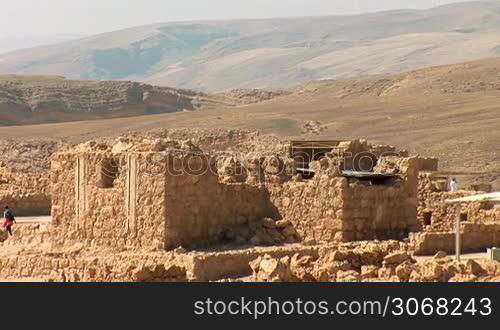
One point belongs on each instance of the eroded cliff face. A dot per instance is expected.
(40, 99)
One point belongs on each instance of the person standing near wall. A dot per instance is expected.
(9, 220)
(453, 185)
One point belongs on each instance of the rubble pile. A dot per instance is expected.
(350, 262)
(210, 140)
(252, 213)
(266, 232)
(371, 264)
(313, 127)
(249, 96)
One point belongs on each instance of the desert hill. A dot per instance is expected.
(273, 53)
(42, 99)
(451, 112)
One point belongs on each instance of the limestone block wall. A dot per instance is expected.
(378, 212)
(314, 207)
(166, 200)
(474, 238)
(200, 208)
(385, 211)
(28, 194)
(358, 155)
(235, 263)
(336, 208)
(27, 234)
(26, 204)
(492, 215)
(105, 199)
(64, 171)
(145, 208)
(254, 168)
(146, 204)
(101, 217)
(437, 215)
(142, 266)
(62, 267)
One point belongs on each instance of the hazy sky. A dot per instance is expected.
(49, 17)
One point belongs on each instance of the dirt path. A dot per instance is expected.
(33, 219)
(467, 256)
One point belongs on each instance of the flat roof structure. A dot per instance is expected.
(492, 197)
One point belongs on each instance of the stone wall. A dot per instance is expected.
(313, 207)
(437, 215)
(147, 204)
(64, 172)
(378, 212)
(27, 235)
(359, 155)
(330, 207)
(434, 214)
(200, 208)
(26, 204)
(27, 194)
(118, 205)
(171, 199)
(78, 265)
(111, 268)
(382, 211)
(474, 238)
(235, 263)
(480, 221)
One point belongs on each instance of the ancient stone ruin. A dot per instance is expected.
(166, 210)
(170, 198)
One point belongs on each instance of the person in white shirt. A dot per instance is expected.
(453, 185)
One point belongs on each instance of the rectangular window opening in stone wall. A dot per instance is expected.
(306, 174)
(464, 217)
(487, 206)
(380, 181)
(427, 218)
(109, 171)
(303, 157)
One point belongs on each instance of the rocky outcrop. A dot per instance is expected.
(249, 96)
(39, 99)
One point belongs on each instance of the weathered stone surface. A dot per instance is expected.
(268, 269)
(403, 272)
(474, 268)
(125, 195)
(440, 255)
(369, 271)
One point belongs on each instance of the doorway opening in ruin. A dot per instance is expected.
(306, 173)
(108, 173)
(487, 206)
(305, 152)
(427, 218)
(372, 179)
(464, 217)
(384, 181)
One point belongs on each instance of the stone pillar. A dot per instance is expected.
(131, 193)
(81, 193)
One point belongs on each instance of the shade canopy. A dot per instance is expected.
(493, 197)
